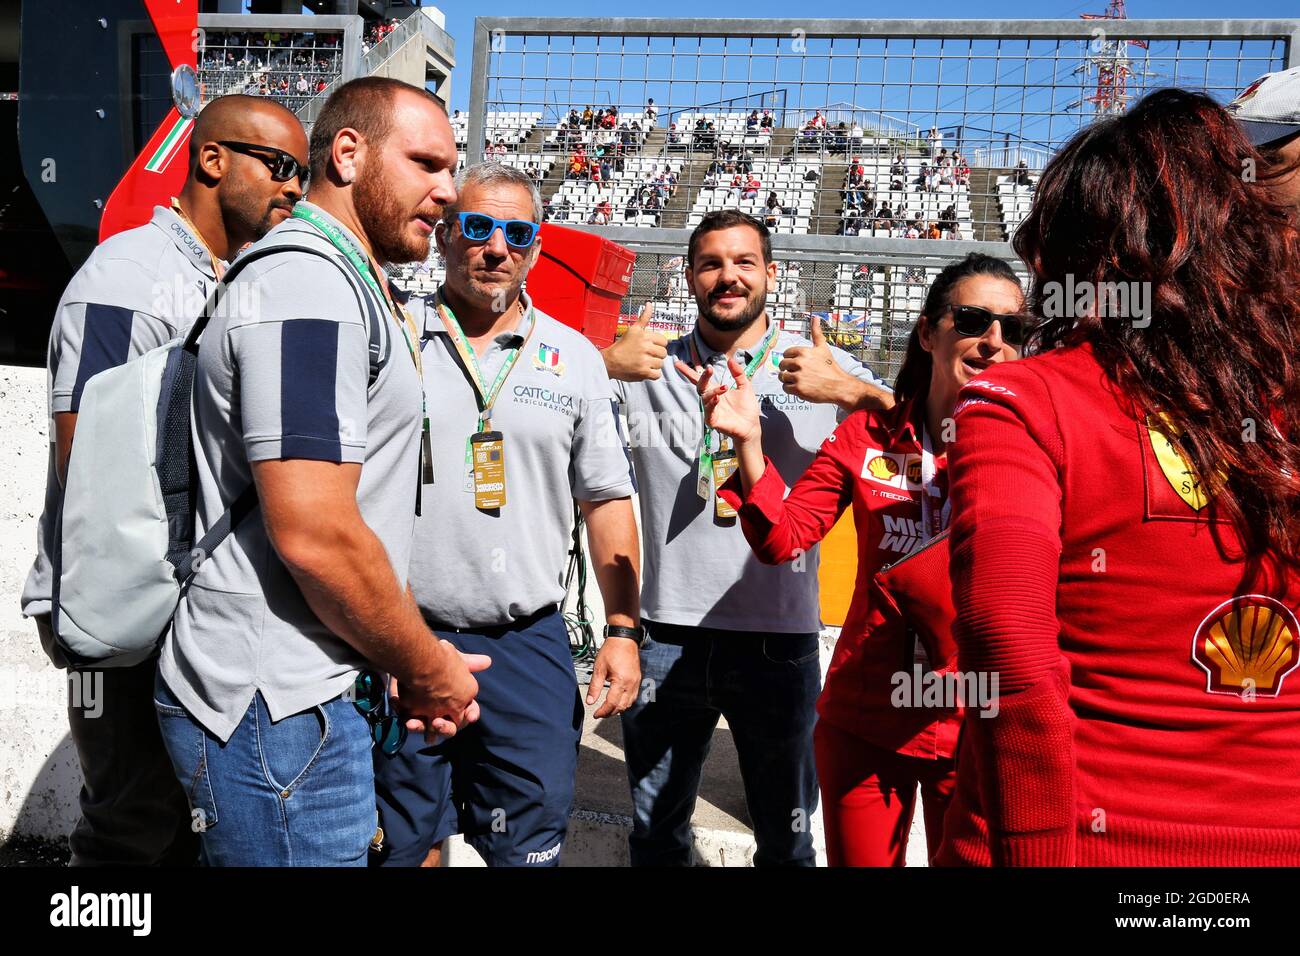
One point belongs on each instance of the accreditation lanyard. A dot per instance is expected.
(484, 395)
(710, 443)
(933, 520)
(370, 273)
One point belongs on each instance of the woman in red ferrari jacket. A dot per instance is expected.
(873, 745)
(1125, 526)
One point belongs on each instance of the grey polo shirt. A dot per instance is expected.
(697, 570)
(288, 378)
(138, 290)
(473, 568)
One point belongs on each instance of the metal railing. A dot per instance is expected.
(996, 92)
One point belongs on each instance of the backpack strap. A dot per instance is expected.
(177, 424)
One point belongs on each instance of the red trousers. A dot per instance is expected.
(868, 794)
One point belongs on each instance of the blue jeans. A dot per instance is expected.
(295, 792)
(766, 686)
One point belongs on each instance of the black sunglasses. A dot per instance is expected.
(369, 696)
(283, 166)
(973, 321)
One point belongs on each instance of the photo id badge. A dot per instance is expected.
(725, 463)
(489, 470)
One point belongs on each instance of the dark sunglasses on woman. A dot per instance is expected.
(283, 166)
(971, 320)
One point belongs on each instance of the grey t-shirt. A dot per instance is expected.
(286, 376)
(699, 571)
(472, 568)
(138, 290)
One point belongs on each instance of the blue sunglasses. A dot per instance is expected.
(478, 227)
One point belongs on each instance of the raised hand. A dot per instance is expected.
(638, 355)
(732, 410)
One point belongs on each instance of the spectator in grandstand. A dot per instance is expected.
(588, 118)
(595, 173)
(948, 218)
(138, 290)
(609, 119)
(899, 166)
(674, 137)
(600, 215)
(633, 208)
(856, 135)
(884, 217)
(745, 646)
(577, 168)
(1123, 437)
(670, 182)
(751, 122)
(811, 176)
(562, 209)
(752, 186)
(302, 86)
(771, 211)
(840, 139)
(872, 755)
(1268, 111)
(710, 178)
(936, 141)
(574, 120)
(933, 231)
(1021, 174)
(651, 112)
(766, 123)
(954, 231)
(911, 231)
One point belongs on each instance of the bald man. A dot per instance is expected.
(138, 290)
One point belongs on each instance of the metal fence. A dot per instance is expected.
(829, 127)
(816, 125)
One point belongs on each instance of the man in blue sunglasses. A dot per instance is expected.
(522, 426)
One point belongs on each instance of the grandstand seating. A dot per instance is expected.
(291, 67)
(1014, 201)
(582, 197)
(795, 196)
(510, 127)
(913, 198)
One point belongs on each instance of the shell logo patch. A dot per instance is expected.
(1247, 643)
(895, 470)
(1175, 466)
(882, 468)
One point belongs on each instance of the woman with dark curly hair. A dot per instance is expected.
(1125, 534)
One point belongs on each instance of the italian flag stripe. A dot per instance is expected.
(167, 149)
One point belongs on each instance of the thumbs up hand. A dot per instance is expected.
(810, 372)
(639, 354)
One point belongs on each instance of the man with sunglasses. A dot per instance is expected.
(313, 397)
(138, 290)
(525, 428)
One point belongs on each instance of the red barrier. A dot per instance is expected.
(581, 279)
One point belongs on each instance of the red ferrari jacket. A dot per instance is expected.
(878, 687)
(1149, 709)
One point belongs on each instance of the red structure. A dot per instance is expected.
(581, 279)
(1111, 63)
(158, 172)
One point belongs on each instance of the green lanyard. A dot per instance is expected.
(366, 271)
(710, 444)
(484, 396)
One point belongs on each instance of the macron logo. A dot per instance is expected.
(103, 909)
(543, 856)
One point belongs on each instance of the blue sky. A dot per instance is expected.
(460, 15)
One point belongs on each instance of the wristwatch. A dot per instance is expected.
(637, 634)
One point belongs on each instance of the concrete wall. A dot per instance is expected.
(39, 776)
